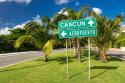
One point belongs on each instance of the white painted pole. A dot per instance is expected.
(67, 60)
(89, 59)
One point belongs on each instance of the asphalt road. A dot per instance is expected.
(114, 52)
(14, 58)
(118, 53)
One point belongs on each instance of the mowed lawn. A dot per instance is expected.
(54, 71)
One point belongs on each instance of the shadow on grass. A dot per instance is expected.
(78, 73)
(106, 68)
(62, 59)
(84, 60)
(94, 55)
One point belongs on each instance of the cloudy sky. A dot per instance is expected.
(16, 12)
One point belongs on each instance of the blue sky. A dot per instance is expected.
(15, 12)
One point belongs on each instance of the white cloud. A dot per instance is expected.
(37, 19)
(4, 31)
(20, 25)
(97, 10)
(64, 13)
(60, 12)
(17, 1)
(60, 2)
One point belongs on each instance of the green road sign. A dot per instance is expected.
(75, 24)
(75, 33)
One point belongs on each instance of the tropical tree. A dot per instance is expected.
(3, 43)
(15, 33)
(37, 35)
(48, 48)
(7, 41)
(49, 30)
(69, 14)
(107, 29)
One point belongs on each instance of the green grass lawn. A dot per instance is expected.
(54, 71)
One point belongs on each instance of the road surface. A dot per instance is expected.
(118, 53)
(114, 52)
(14, 58)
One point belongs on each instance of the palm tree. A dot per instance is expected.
(49, 29)
(106, 29)
(38, 36)
(3, 43)
(73, 15)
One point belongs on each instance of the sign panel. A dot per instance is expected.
(75, 24)
(91, 32)
(76, 29)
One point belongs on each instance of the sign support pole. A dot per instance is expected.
(67, 31)
(89, 59)
(67, 60)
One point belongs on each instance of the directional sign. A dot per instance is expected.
(76, 29)
(75, 24)
(77, 33)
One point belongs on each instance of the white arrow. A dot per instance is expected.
(63, 34)
(91, 22)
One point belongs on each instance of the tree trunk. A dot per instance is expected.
(78, 50)
(74, 49)
(70, 43)
(103, 57)
(46, 58)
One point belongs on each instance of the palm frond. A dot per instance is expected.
(29, 39)
(80, 14)
(32, 28)
(47, 49)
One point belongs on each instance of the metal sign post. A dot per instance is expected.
(89, 58)
(67, 60)
(75, 29)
